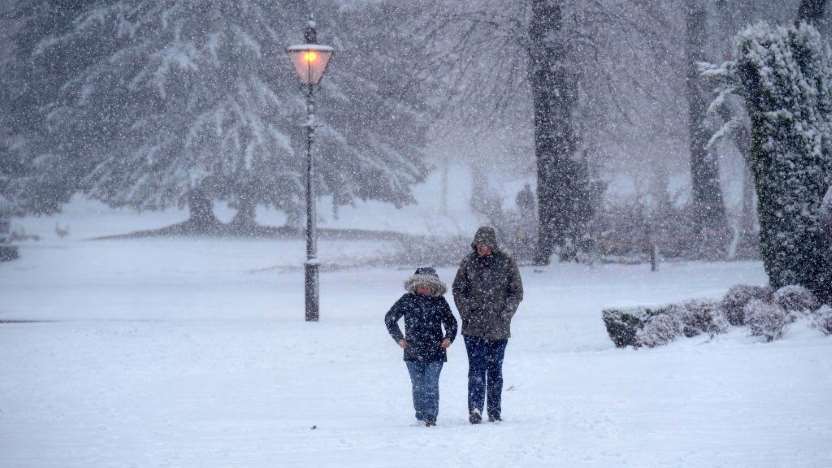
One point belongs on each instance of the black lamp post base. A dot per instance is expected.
(311, 282)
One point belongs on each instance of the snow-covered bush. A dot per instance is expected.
(654, 326)
(733, 304)
(765, 319)
(796, 300)
(623, 324)
(661, 329)
(822, 319)
(699, 317)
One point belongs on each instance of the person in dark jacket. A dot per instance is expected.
(425, 313)
(487, 291)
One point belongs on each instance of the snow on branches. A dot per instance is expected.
(144, 102)
(784, 76)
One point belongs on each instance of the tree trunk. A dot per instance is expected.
(554, 93)
(201, 209)
(443, 194)
(747, 220)
(708, 208)
(246, 213)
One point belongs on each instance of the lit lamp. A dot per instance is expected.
(310, 60)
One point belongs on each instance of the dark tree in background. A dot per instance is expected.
(552, 71)
(554, 96)
(708, 207)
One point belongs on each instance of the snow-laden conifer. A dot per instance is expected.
(784, 75)
(189, 101)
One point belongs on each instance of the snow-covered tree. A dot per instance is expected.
(562, 74)
(785, 77)
(707, 206)
(34, 174)
(189, 101)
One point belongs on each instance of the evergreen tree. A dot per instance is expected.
(785, 78)
(555, 95)
(187, 102)
(36, 176)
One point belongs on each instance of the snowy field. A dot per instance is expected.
(194, 353)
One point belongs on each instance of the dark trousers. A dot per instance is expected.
(485, 369)
(424, 377)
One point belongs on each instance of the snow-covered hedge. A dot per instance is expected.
(653, 326)
(623, 324)
(822, 319)
(733, 304)
(660, 330)
(765, 319)
(796, 300)
(766, 313)
(701, 317)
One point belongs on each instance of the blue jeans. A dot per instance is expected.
(485, 369)
(424, 377)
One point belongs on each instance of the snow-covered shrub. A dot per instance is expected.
(623, 325)
(661, 329)
(822, 319)
(765, 319)
(796, 300)
(733, 304)
(653, 326)
(699, 317)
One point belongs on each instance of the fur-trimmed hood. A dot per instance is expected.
(428, 276)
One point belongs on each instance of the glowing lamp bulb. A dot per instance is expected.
(310, 61)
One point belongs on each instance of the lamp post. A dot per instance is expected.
(310, 60)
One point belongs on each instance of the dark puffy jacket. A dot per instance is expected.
(424, 317)
(487, 290)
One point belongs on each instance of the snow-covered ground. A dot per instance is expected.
(86, 219)
(194, 353)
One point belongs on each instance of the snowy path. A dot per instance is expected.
(174, 353)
